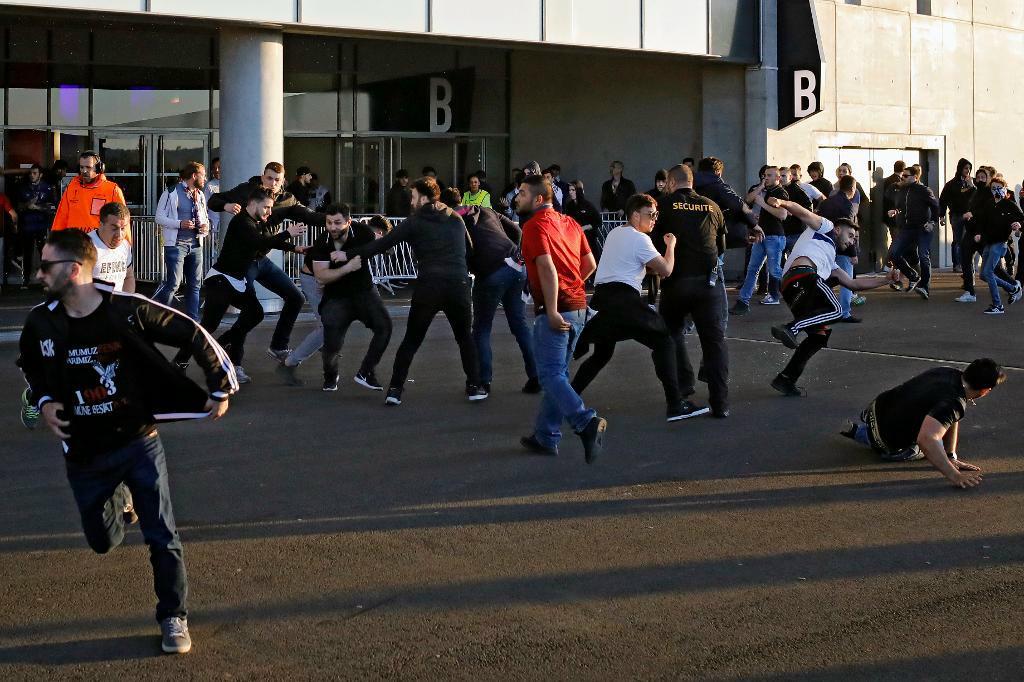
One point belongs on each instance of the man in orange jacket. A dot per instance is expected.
(80, 206)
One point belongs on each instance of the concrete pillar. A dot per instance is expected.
(762, 93)
(251, 112)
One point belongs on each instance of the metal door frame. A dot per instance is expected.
(152, 158)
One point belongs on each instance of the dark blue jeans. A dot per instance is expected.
(274, 279)
(553, 351)
(504, 286)
(907, 240)
(99, 486)
(183, 260)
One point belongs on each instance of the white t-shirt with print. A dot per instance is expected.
(111, 264)
(817, 246)
(626, 254)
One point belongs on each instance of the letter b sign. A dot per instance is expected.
(440, 105)
(805, 101)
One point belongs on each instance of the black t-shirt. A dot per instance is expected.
(360, 280)
(771, 225)
(107, 409)
(900, 411)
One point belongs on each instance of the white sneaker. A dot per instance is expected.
(174, 636)
(967, 297)
(1015, 294)
(242, 377)
(769, 300)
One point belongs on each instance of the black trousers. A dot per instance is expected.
(622, 315)
(220, 296)
(692, 296)
(337, 314)
(454, 298)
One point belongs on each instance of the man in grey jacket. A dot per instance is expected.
(184, 223)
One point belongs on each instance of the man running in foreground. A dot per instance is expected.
(102, 385)
(921, 418)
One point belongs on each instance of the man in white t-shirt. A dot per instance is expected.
(114, 252)
(807, 289)
(622, 313)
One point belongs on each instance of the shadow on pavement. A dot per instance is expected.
(84, 651)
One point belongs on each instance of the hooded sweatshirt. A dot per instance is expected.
(437, 236)
(956, 194)
(996, 218)
(495, 239)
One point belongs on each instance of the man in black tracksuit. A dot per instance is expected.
(101, 384)
(438, 237)
(956, 198)
(917, 210)
(262, 270)
(226, 283)
(695, 286)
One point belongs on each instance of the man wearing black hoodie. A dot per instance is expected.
(262, 269)
(438, 237)
(956, 198)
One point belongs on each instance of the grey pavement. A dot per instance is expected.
(329, 536)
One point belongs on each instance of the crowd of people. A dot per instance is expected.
(98, 381)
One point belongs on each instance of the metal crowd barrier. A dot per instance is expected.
(390, 270)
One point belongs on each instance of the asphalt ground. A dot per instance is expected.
(328, 536)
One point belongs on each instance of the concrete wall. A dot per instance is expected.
(895, 76)
(584, 110)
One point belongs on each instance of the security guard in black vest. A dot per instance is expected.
(695, 286)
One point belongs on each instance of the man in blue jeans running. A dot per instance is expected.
(102, 385)
(558, 262)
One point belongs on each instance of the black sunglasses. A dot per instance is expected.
(45, 265)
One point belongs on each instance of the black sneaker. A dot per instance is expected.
(786, 335)
(533, 445)
(532, 385)
(593, 438)
(288, 375)
(720, 414)
(475, 393)
(911, 454)
(368, 380)
(911, 285)
(394, 396)
(182, 365)
(851, 320)
(279, 355)
(740, 308)
(922, 292)
(849, 430)
(1016, 294)
(994, 310)
(685, 410)
(787, 387)
(330, 383)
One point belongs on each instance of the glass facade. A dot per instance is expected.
(355, 110)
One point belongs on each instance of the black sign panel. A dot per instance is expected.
(800, 62)
(439, 102)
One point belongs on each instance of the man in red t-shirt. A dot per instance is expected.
(558, 262)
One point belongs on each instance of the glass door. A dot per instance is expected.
(144, 165)
(361, 178)
(126, 159)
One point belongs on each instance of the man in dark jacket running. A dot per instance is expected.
(262, 269)
(438, 237)
(101, 385)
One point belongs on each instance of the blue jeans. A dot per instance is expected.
(100, 486)
(274, 279)
(504, 286)
(182, 260)
(845, 264)
(991, 256)
(907, 239)
(771, 250)
(553, 352)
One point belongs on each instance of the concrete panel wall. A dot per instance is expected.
(872, 69)
(453, 17)
(258, 11)
(605, 112)
(997, 100)
(604, 23)
(393, 15)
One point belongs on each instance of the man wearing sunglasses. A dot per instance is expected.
(81, 203)
(90, 359)
(622, 313)
(917, 211)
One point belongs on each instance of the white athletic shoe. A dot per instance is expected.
(967, 297)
